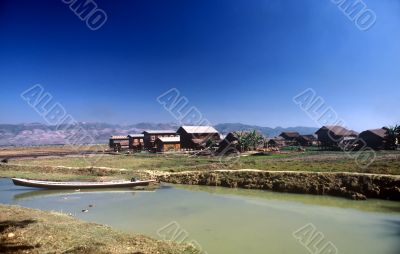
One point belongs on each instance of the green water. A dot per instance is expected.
(222, 220)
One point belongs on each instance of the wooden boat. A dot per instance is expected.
(79, 185)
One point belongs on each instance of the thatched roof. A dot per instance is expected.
(337, 130)
(279, 138)
(290, 134)
(378, 132)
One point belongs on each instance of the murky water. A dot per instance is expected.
(222, 220)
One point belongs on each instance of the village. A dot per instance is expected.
(207, 138)
(200, 127)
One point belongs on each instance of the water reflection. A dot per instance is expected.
(52, 193)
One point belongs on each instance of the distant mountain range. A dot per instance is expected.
(40, 134)
(267, 131)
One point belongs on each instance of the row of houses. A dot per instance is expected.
(186, 138)
(292, 139)
(200, 137)
(340, 137)
(333, 136)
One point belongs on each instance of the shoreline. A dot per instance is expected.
(26, 230)
(356, 186)
(353, 185)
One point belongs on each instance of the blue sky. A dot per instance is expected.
(236, 61)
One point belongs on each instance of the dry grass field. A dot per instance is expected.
(35, 151)
(125, 165)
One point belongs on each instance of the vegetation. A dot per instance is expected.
(59, 150)
(392, 135)
(249, 140)
(126, 166)
(24, 230)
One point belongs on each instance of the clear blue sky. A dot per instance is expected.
(236, 61)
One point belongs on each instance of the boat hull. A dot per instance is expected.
(78, 185)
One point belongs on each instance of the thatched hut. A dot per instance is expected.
(374, 138)
(332, 136)
(307, 140)
(290, 137)
(276, 142)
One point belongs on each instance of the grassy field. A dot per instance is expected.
(6, 152)
(124, 166)
(24, 230)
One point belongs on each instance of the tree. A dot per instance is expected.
(249, 140)
(392, 136)
(255, 139)
(242, 140)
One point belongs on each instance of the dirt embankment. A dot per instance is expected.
(356, 186)
(24, 230)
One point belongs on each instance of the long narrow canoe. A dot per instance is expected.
(79, 185)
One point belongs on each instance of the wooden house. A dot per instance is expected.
(168, 144)
(117, 143)
(333, 136)
(290, 137)
(276, 142)
(197, 137)
(374, 138)
(150, 136)
(136, 141)
(307, 140)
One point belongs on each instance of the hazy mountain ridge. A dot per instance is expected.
(28, 134)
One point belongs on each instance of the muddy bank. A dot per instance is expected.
(356, 186)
